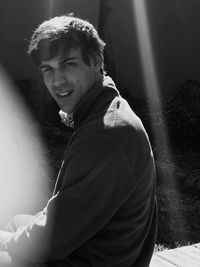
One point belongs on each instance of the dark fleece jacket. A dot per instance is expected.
(103, 211)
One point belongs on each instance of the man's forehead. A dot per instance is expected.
(62, 53)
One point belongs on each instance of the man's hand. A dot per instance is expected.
(5, 237)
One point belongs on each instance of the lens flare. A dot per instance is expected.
(23, 163)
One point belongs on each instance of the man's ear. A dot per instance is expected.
(98, 62)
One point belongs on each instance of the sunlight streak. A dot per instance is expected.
(152, 89)
(51, 8)
(149, 69)
(146, 52)
(54, 8)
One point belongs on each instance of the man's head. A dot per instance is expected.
(69, 52)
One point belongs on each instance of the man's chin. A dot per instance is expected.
(66, 109)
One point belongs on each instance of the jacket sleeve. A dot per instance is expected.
(97, 179)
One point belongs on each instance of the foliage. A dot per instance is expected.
(177, 162)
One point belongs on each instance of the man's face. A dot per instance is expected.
(68, 78)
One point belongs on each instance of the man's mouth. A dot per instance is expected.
(64, 94)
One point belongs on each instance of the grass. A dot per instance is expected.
(178, 200)
(178, 170)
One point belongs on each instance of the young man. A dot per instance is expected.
(103, 209)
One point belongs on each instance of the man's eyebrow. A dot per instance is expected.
(44, 65)
(67, 59)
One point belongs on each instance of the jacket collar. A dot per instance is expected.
(87, 103)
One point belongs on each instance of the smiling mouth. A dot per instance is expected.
(64, 94)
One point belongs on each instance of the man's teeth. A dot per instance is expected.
(64, 94)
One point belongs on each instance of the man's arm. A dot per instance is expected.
(93, 189)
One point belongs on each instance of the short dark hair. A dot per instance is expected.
(65, 30)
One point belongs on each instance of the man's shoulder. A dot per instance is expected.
(120, 114)
(118, 122)
(117, 113)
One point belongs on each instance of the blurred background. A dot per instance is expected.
(152, 53)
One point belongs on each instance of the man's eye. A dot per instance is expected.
(46, 70)
(68, 64)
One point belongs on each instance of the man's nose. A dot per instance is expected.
(59, 78)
